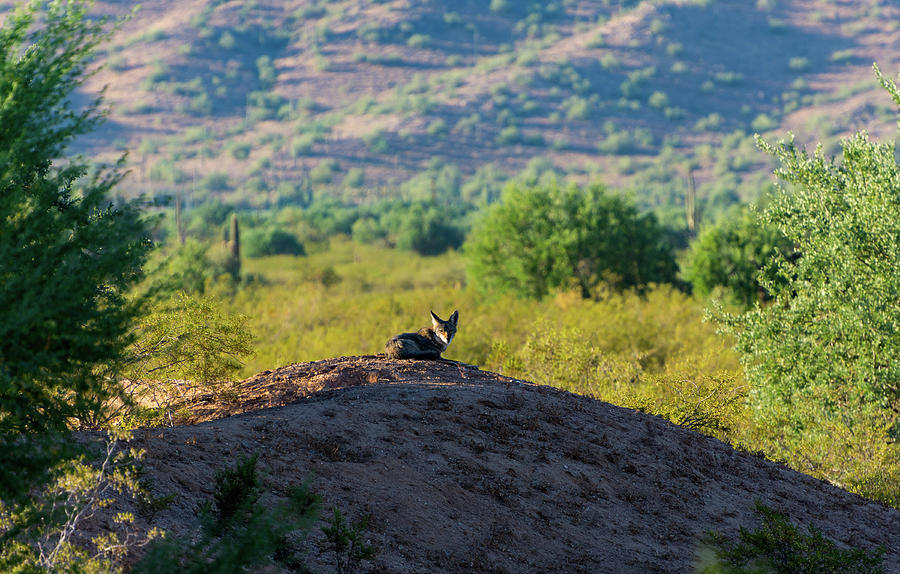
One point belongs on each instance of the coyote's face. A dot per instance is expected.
(444, 329)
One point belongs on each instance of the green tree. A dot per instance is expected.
(543, 236)
(824, 357)
(427, 230)
(67, 254)
(732, 253)
(270, 240)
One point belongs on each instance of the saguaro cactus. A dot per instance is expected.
(234, 249)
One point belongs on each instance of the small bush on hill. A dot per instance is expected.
(780, 547)
(183, 340)
(237, 532)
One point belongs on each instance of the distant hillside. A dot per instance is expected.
(260, 103)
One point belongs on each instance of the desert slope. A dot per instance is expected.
(463, 470)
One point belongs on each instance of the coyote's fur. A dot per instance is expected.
(428, 343)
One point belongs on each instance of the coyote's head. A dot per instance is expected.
(444, 329)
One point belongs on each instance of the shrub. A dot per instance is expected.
(367, 230)
(259, 242)
(544, 237)
(577, 108)
(250, 538)
(763, 123)
(732, 253)
(499, 5)
(187, 338)
(509, 135)
(303, 144)
(377, 141)
(345, 540)
(215, 181)
(67, 254)
(825, 353)
(437, 128)
(355, 178)
(237, 491)
(658, 100)
(711, 404)
(780, 547)
(798, 64)
(323, 172)
(424, 229)
(418, 41)
(240, 150)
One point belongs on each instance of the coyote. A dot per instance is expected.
(428, 343)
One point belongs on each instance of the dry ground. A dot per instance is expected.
(463, 470)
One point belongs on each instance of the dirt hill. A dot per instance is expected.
(463, 470)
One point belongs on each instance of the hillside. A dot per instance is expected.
(262, 103)
(462, 470)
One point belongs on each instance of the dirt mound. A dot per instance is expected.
(462, 470)
(288, 384)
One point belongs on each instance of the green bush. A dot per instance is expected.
(237, 533)
(215, 182)
(418, 41)
(437, 128)
(424, 229)
(186, 339)
(68, 253)
(355, 177)
(780, 547)
(240, 150)
(824, 354)
(377, 141)
(303, 144)
(544, 237)
(267, 240)
(714, 405)
(324, 171)
(345, 540)
(237, 492)
(732, 253)
(510, 135)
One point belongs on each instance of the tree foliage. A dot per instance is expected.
(732, 253)
(826, 352)
(189, 338)
(543, 236)
(66, 254)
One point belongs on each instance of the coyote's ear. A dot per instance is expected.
(454, 317)
(435, 320)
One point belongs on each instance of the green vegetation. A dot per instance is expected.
(821, 357)
(345, 540)
(573, 286)
(237, 532)
(780, 547)
(546, 237)
(731, 253)
(67, 259)
(67, 255)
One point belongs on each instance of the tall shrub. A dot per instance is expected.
(66, 253)
(824, 357)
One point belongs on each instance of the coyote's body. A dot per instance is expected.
(427, 343)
